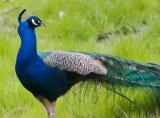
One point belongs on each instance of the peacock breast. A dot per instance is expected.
(41, 79)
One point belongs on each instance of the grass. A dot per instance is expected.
(134, 26)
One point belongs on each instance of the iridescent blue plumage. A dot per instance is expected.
(32, 72)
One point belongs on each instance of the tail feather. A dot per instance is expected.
(130, 73)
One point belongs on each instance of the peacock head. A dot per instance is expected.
(33, 21)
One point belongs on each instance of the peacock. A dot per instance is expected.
(50, 74)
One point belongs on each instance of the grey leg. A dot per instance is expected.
(50, 106)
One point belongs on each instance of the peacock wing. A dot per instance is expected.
(80, 63)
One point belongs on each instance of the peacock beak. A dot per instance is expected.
(43, 24)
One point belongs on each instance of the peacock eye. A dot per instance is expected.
(39, 21)
(33, 21)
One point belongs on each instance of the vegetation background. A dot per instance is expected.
(124, 28)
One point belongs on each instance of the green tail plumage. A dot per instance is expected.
(130, 73)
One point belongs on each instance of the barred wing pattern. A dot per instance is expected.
(74, 62)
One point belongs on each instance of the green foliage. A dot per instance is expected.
(134, 28)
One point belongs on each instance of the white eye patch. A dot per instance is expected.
(34, 22)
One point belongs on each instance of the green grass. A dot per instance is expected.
(135, 28)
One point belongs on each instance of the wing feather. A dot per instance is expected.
(74, 62)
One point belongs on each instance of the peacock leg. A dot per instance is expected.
(50, 106)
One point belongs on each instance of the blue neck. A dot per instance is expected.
(28, 49)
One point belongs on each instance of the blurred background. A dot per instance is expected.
(124, 28)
